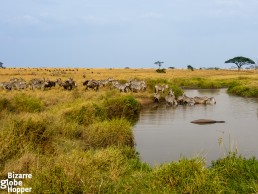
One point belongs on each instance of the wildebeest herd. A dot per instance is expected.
(129, 86)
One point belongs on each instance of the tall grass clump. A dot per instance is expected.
(85, 113)
(186, 176)
(22, 135)
(122, 107)
(239, 174)
(5, 104)
(26, 103)
(243, 90)
(116, 132)
(92, 171)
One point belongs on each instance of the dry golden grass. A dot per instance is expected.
(121, 74)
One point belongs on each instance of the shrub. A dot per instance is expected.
(122, 107)
(161, 70)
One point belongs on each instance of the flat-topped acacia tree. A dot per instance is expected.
(240, 61)
(159, 63)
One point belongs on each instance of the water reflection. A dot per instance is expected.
(165, 134)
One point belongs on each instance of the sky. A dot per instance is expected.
(127, 33)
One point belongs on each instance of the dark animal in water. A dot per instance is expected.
(206, 121)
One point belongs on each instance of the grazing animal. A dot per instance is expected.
(59, 81)
(211, 100)
(188, 100)
(69, 84)
(156, 97)
(136, 86)
(170, 98)
(200, 100)
(93, 84)
(159, 88)
(49, 84)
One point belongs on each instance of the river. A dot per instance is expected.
(165, 134)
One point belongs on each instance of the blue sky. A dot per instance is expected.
(116, 33)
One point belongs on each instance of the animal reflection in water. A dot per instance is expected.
(172, 100)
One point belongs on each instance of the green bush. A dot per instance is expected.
(161, 70)
(122, 107)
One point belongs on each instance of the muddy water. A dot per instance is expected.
(166, 134)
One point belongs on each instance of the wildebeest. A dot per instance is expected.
(69, 84)
(48, 84)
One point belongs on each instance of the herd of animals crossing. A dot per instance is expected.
(129, 86)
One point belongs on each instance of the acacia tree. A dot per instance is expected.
(240, 61)
(159, 63)
(1, 65)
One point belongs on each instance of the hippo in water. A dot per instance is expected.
(206, 121)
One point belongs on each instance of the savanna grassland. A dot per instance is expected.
(82, 141)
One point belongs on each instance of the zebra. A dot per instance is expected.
(211, 100)
(156, 97)
(200, 100)
(170, 98)
(36, 83)
(136, 86)
(188, 100)
(159, 88)
(124, 87)
(93, 84)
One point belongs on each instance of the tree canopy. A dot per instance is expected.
(159, 63)
(240, 61)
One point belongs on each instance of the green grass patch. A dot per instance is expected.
(116, 132)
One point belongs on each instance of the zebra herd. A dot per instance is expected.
(122, 86)
(131, 85)
(172, 100)
(69, 84)
(37, 83)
